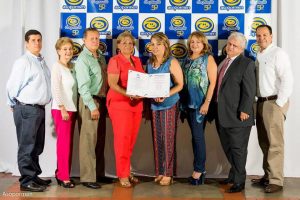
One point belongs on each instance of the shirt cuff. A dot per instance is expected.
(92, 106)
(281, 102)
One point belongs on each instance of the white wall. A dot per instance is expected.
(44, 16)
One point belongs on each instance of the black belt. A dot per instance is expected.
(262, 99)
(27, 104)
(98, 97)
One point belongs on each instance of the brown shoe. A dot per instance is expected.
(260, 181)
(271, 188)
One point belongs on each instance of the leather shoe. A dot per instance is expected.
(104, 179)
(92, 185)
(236, 187)
(32, 187)
(42, 182)
(260, 181)
(226, 181)
(271, 188)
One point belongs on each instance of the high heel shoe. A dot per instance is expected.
(198, 181)
(166, 181)
(69, 184)
(133, 179)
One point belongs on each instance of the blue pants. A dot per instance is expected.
(198, 140)
(30, 126)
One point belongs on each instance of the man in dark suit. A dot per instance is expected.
(234, 98)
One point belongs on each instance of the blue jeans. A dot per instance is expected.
(198, 140)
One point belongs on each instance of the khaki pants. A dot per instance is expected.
(87, 142)
(270, 130)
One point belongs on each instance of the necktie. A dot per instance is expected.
(221, 74)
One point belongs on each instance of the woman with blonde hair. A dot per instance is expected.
(124, 111)
(64, 108)
(164, 110)
(200, 74)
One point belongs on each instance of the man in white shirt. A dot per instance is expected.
(28, 91)
(274, 87)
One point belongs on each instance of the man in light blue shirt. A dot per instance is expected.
(28, 91)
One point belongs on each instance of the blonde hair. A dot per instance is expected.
(123, 35)
(62, 41)
(199, 35)
(162, 38)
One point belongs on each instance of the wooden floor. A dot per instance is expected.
(148, 190)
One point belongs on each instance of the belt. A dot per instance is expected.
(98, 97)
(27, 104)
(262, 99)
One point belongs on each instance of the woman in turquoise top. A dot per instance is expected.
(200, 73)
(164, 110)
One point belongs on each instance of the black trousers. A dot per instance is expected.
(235, 145)
(30, 127)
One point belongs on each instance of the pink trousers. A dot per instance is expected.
(64, 144)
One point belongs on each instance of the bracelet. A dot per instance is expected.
(208, 100)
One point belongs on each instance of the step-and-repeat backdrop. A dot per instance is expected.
(176, 18)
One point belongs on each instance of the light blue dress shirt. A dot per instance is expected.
(29, 81)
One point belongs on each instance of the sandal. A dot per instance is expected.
(124, 182)
(158, 178)
(166, 181)
(133, 179)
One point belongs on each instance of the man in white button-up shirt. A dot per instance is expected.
(274, 87)
(28, 91)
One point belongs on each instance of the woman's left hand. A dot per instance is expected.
(204, 108)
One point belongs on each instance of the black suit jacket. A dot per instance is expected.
(237, 93)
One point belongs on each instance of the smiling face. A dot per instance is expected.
(196, 45)
(65, 52)
(126, 46)
(263, 37)
(34, 44)
(91, 41)
(157, 47)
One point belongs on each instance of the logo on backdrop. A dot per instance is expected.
(178, 5)
(103, 48)
(206, 26)
(76, 49)
(231, 23)
(179, 51)
(150, 26)
(231, 5)
(101, 24)
(74, 4)
(257, 21)
(254, 49)
(207, 4)
(126, 4)
(73, 24)
(125, 23)
(153, 4)
(101, 4)
(178, 25)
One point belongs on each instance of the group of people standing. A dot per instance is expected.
(200, 91)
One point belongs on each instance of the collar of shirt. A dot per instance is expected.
(88, 52)
(39, 58)
(266, 50)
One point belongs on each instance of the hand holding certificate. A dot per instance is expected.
(148, 85)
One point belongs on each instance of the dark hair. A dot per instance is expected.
(89, 30)
(265, 26)
(31, 32)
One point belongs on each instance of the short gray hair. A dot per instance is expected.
(240, 37)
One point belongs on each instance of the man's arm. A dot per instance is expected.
(248, 90)
(284, 72)
(15, 82)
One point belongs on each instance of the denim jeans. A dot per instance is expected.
(198, 140)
